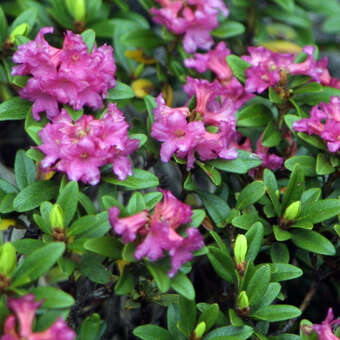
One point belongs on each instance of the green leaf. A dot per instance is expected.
(240, 165)
(271, 136)
(306, 163)
(152, 198)
(279, 253)
(295, 187)
(238, 66)
(216, 207)
(3, 26)
(52, 297)
(14, 109)
(284, 272)
(34, 194)
(160, 275)
(106, 246)
(142, 38)
(323, 166)
(141, 179)
(276, 313)
(270, 295)
(187, 321)
(222, 264)
(318, 211)
(35, 154)
(120, 91)
(28, 17)
(182, 285)
(92, 328)
(255, 291)
(198, 215)
(24, 170)
(254, 237)
(314, 140)
(136, 204)
(228, 29)
(91, 267)
(27, 246)
(309, 87)
(280, 234)
(254, 115)
(250, 194)
(212, 173)
(38, 263)
(89, 37)
(230, 333)
(152, 332)
(312, 241)
(287, 5)
(316, 98)
(125, 283)
(270, 182)
(68, 200)
(210, 316)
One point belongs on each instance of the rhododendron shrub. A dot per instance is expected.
(169, 169)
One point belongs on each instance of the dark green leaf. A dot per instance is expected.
(253, 116)
(152, 332)
(222, 264)
(275, 313)
(295, 187)
(187, 310)
(52, 297)
(238, 66)
(255, 291)
(105, 246)
(228, 29)
(68, 200)
(14, 109)
(250, 194)
(142, 38)
(230, 333)
(24, 169)
(120, 91)
(306, 163)
(284, 272)
(182, 285)
(160, 275)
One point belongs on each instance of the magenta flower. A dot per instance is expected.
(157, 232)
(324, 121)
(269, 160)
(178, 136)
(214, 60)
(324, 329)
(70, 75)
(265, 68)
(193, 18)
(24, 312)
(79, 149)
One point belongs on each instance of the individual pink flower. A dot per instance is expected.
(157, 232)
(193, 18)
(70, 75)
(178, 136)
(325, 329)
(24, 312)
(79, 149)
(214, 60)
(324, 121)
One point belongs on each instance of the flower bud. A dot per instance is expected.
(8, 259)
(57, 217)
(242, 301)
(199, 330)
(77, 9)
(240, 249)
(21, 29)
(292, 211)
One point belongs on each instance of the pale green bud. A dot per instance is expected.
(8, 259)
(200, 330)
(57, 217)
(21, 29)
(240, 249)
(292, 211)
(77, 9)
(242, 301)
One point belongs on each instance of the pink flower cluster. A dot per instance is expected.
(70, 75)
(24, 309)
(324, 121)
(158, 232)
(268, 68)
(80, 148)
(193, 18)
(209, 130)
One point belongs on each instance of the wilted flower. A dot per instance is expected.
(24, 312)
(80, 148)
(70, 75)
(158, 231)
(193, 18)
